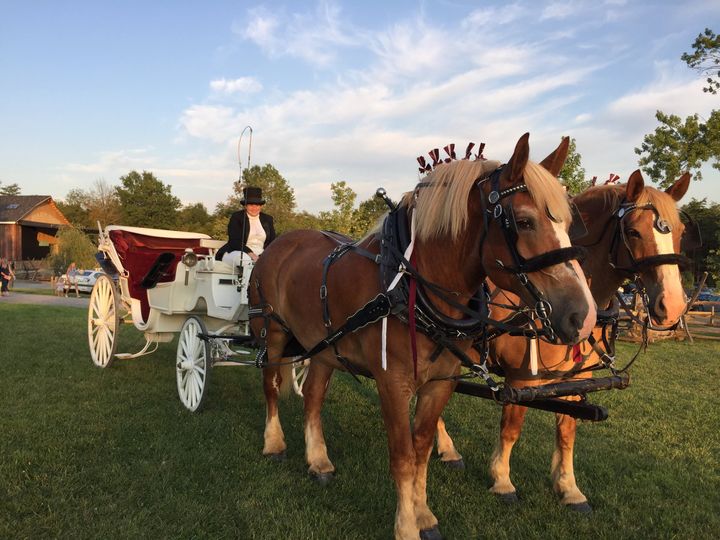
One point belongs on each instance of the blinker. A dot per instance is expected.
(577, 225)
(691, 238)
(662, 226)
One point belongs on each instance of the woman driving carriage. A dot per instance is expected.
(250, 231)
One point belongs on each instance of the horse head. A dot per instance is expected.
(510, 223)
(635, 232)
(535, 228)
(652, 231)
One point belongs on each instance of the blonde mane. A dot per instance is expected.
(614, 194)
(441, 207)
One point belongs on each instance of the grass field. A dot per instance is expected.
(91, 453)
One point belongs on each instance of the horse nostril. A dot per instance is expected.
(659, 307)
(576, 321)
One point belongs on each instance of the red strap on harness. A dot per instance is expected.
(577, 354)
(411, 316)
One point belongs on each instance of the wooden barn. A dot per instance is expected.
(28, 225)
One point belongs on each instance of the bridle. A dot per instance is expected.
(690, 239)
(639, 265)
(504, 217)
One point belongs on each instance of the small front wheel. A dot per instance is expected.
(193, 364)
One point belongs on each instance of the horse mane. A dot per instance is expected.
(614, 194)
(442, 205)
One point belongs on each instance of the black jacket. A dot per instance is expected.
(239, 230)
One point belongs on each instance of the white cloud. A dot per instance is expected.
(245, 85)
(559, 10)
(494, 16)
(311, 36)
(261, 29)
(209, 122)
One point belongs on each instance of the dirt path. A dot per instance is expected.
(42, 299)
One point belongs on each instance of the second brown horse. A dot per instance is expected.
(457, 245)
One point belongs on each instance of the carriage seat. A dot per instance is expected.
(150, 258)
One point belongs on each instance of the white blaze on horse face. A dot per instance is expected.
(589, 322)
(669, 277)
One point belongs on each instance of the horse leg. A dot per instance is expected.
(431, 401)
(562, 469)
(314, 391)
(513, 417)
(276, 381)
(446, 448)
(395, 407)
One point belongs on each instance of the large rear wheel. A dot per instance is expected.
(103, 322)
(193, 364)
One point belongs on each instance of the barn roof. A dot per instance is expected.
(14, 207)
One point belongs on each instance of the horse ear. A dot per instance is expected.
(635, 186)
(515, 167)
(680, 187)
(555, 161)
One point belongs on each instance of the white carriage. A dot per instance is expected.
(168, 282)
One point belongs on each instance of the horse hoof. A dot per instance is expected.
(457, 464)
(432, 533)
(508, 498)
(277, 458)
(581, 508)
(323, 479)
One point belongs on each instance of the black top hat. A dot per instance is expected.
(252, 195)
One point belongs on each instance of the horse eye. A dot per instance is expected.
(632, 233)
(525, 225)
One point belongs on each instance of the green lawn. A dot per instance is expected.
(92, 453)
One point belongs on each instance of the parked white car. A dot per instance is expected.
(86, 280)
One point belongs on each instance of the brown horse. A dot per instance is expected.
(306, 290)
(633, 231)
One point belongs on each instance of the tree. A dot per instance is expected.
(146, 202)
(9, 189)
(572, 175)
(367, 216)
(707, 256)
(195, 218)
(86, 208)
(341, 218)
(705, 59)
(73, 246)
(74, 208)
(103, 204)
(678, 146)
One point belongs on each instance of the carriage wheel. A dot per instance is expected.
(193, 364)
(103, 322)
(299, 374)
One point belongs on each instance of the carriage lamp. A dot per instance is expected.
(189, 258)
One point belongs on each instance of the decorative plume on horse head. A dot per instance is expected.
(434, 154)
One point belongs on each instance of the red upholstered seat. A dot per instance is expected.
(138, 253)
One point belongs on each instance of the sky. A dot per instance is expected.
(333, 90)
